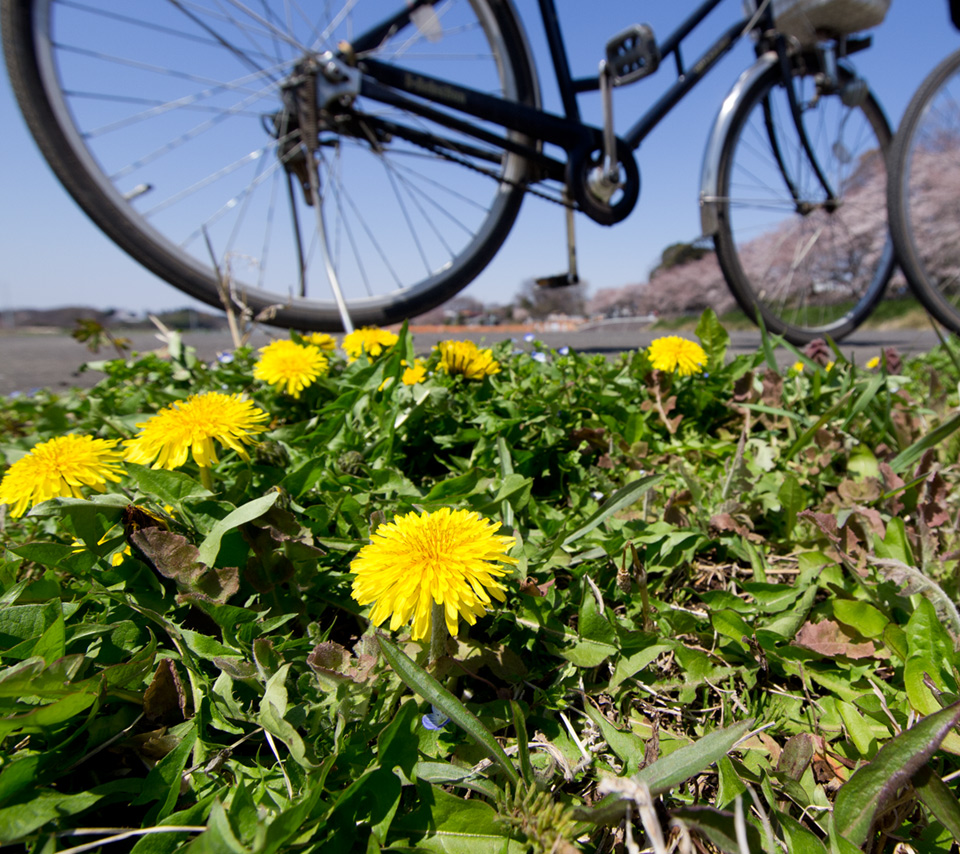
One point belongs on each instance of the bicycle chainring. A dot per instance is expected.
(607, 212)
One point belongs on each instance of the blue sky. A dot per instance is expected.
(53, 255)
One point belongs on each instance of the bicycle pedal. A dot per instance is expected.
(561, 280)
(633, 54)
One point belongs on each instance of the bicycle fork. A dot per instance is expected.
(827, 82)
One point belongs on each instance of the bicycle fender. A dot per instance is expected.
(710, 171)
(528, 53)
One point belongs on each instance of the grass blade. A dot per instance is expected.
(908, 456)
(624, 497)
(862, 797)
(420, 682)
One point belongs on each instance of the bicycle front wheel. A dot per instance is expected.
(809, 254)
(924, 193)
(172, 127)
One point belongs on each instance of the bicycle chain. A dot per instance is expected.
(564, 203)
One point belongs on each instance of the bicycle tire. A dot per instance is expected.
(806, 271)
(176, 154)
(923, 189)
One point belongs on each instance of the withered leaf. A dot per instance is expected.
(860, 491)
(328, 655)
(933, 501)
(829, 639)
(726, 522)
(772, 391)
(796, 756)
(164, 701)
(171, 555)
(826, 522)
(152, 746)
(175, 557)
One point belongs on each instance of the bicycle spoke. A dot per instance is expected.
(195, 143)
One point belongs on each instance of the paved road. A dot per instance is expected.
(29, 361)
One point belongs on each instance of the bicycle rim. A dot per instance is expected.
(925, 193)
(807, 266)
(167, 127)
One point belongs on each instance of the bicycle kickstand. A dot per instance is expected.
(561, 280)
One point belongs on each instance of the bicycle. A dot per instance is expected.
(397, 183)
(924, 188)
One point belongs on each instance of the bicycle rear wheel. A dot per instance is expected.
(171, 128)
(808, 265)
(924, 192)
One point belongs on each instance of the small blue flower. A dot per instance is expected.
(14, 394)
(529, 337)
(564, 351)
(224, 358)
(537, 356)
(434, 719)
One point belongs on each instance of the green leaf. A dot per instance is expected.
(163, 782)
(731, 625)
(860, 733)
(210, 547)
(688, 761)
(622, 498)
(729, 784)
(397, 743)
(718, 826)
(523, 746)
(454, 488)
(862, 797)
(45, 554)
(799, 840)
(443, 773)
(671, 770)
(44, 806)
(20, 773)
(793, 499)
(939, 798)
(51, 645)
(894, 545)
(44, 717)
(86, 513)
(273, 709)
(628, 746)
(167, 843)
(422, 683)
(861, 616)
(446, 824)
(628, 665)
(713, 338)
(166, 487)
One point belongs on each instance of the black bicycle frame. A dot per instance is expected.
(387, 83)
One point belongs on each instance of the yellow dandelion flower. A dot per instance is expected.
(191, 426)
(797, 367)
(873, 363)
(59, 467)
(466, 359)
(415, 374)
(321, 340)
(451, 557)
(675, 354)
(369, 340)
(284, 363)
(829, 366)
